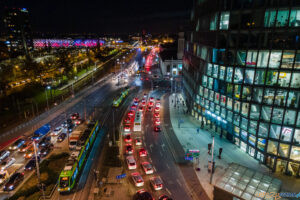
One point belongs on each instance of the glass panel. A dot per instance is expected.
(280, 98)
(295, 82)
(298, 120)
(238, 75)
(289, 117)
(237, 106)
(224, 20)
(217, 98)
(277, 116)
(282, 18)
(236, 119)
(212, 107)
(270, 18)
(297, 61)
(209, 69)
(286, 134)
(241, 57)
(283, 150)
(215, 71)
(272, 77)
(293, 99)
(251, 58)
(295, 18)
(263, 58)
(201, 91)
(210, 82)
(255, 110)
(295, 153)
(245, 109)
(253, 127)
(272, 147)
(263, 130)
(244, 123)
(275, 131)
(223, 100)
(217, 110)
(229, 74)
(211, 95)
(223, 113)
(275, 59)
(229, 89)
(237, 91)
(269, 96)
(249, 76)
(206, 93)
(260, 77)
(204, 81)
(247, 91)
(284, 79)
(288, 59)
(297, 136)
(229, 116)
(266, 113)
(257, 94)
(261, 144)
(213, 22)
(229, 103)
(244, 135)
(236, 130)
(222, 72)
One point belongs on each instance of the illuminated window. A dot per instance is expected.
(284, 150)
(277, 116)
(288, 59)
(270, 18)
(286, 134)
(255, 110)
(215, 71)
(272, 147)
(213, 22)
(251, 58)
(209, 69)
(275, 59)
(295, 82)
(275, 131)
(222, 73)
(263, 57)
(295, 153)
(295, 18)
(249, 76)
(263, 130)
(282, 18)
(289, 117)
(297, 136)
(224, 20)
(229, 74)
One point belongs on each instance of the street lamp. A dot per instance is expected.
(46, 91)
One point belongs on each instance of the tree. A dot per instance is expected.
(32, 66)
(64, 62)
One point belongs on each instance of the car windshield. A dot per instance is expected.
(73, 143)
(64, 182)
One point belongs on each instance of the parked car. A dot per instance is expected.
(6, 164)
(13, 181)
(17, 144)
(61, 137)
(4, 154)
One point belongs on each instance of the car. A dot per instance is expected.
(151, 99)
(70, 127)
(138, 141)
(13, 181)
(3, 176)
(44, 141)
(136, 99)
(130, 113)
(157, 128)
(128, 138)
(164, 197)
(61, 137)
(45, 151)
(157, 121)
(17, 144)
(78, 121)
(57, 131)
(75, 116)
(133, 107)
(143, 104)
(31, 164)
(129, 149)
(27, 145)
(135, 103)
(149, 108)
(147, 167)
(6, 164)
(157, 105)
(145, 95)
(29, 154)
(131, 163)
(156, 110)
(127, 120)
(157, 100)
(156, 183)
(137, 179)
(151, 104)
(127, 128)
(4, 154)
(141, 108)
(143, 195)
(142, 152)
(156, 115)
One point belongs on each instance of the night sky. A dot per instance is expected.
(122, 16)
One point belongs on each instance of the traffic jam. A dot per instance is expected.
(18, 160)
(141, 172)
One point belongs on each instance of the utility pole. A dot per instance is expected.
(212, 160)
(38, 170)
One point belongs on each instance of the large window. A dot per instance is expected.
(263, 130)
(277, 116)
(249, 76)
(257, 94)
(284, 79)
(272, 147)
(293, 99)
(229, 74)
(269, 96)
(224, 20)
(297, 136)
(237, 106)
(275, 59)
(204, 81)
(209, 69)
(284, 150)
(272, 77)
(213, 22)
(286, 134)
(229, 103)
(280, 98)
(295, 18)
(259, 77)
(215, 71)
(295, 82)
(229, 116)
(254, 112)
(222, 73)
(266, 113)
(245, 109)
(253, 127)
(251, 58)
(282, 18)
(270, 18)
(247, 91)
(289, 117)
(263, 58)
(275, 131)
(238, 75)
(295, 153)
(287, 59)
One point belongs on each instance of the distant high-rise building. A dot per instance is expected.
(241, 76)
(17, 30)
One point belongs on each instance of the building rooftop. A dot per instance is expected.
(168, 51)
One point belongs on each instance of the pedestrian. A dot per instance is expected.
(198, 129)
(172, 101)
(220, 152)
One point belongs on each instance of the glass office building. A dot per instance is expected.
(241, 76)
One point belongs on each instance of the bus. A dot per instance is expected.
(119, 99)
(76, 161)
(137, 126)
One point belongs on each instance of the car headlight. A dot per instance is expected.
(68, 188)
(11, 187)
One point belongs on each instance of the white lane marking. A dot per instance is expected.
(178, 182)
(154, 169)
(168, 191)
(163, 146)
(168, 166)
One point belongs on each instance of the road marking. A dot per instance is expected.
(151, 145)
(154, 169)
(168, 166)
(161, 154)
(163, 146)
(168, 191)
(179, 182)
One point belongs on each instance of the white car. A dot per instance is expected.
(147, 167)
(156, 183)
(4, 154)
(8, 163)
(157, 105)
(131, 163)
(57, 131)
(138, 141)
(137, 179)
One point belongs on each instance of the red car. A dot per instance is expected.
(128, 138)
(150, 104)
(157, 128)
(143, 103)
(129, 149)
(130, 113)
(156, 109)
(157, 121)
(156, 115)
(142, 152)
(127, 120)
(151, 99)
(141, 108)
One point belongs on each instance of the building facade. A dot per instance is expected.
(17, 30)
(241, 76)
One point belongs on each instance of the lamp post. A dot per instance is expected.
(38, 170)
(46, 91)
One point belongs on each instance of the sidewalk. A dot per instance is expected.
(185, 128)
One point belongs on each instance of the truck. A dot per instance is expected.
(74, 137)
(41, 132)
